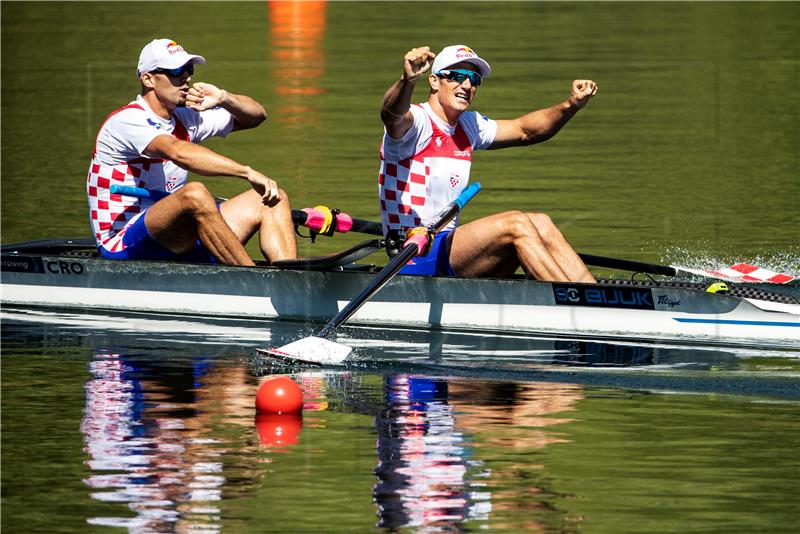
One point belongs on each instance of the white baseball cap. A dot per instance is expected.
(451, 55)
(165, 54)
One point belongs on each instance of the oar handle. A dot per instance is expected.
(467, 195)
(398, 262)
(138, 192)
(313, 219)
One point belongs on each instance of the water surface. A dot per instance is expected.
(149, 425)
(688, 154)
(689, 149)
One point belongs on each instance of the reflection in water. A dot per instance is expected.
(430, 438)
(279, 429)
(296, 31)
(423, 459)
(511, 422)
(148, 450)
(519, 352)
(170, 443)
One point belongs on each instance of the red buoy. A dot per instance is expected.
(280, 394)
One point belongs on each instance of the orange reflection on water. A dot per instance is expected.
(297, 29)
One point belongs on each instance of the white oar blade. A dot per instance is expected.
(310, 350)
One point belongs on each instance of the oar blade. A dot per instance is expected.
(744, 272)
(741, 273)
(310, 350)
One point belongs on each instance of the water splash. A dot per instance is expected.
(695, 257)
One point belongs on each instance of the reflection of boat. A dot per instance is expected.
(69, 274)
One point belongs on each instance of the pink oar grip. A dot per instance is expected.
(420, 238)
(343, 222)
(316, 219)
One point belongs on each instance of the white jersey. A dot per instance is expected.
(119, 159)
(429, 166)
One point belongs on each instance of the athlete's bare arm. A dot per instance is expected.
(395, 110)
(206, 162)
(247, 113)
(542, 124)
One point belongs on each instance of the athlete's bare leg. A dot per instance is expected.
(560, 249)
(246, 214)
(497, 245)
(180, 219)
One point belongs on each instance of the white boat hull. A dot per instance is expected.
(602, 311)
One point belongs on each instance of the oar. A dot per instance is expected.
(740, 272)
(319, 349)
(628, 265)
(311, 218)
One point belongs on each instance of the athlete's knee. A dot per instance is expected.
(197, 198)
(517, 224)
(273, 210)
(284, 198)
(545, 226)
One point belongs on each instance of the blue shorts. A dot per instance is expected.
(435, 263)
(140, 245)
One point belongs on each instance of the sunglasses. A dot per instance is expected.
(176, 73)
(459, 75)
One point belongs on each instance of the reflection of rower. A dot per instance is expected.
(422, 467)
(143, 447)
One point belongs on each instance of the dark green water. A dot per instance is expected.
(689, 153)
(135, 422)
(690, 149)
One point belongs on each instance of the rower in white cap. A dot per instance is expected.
(151, 144)
(426, 155)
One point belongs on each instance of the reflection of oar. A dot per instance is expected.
(319, 219)
(320, 350)
(740, 272)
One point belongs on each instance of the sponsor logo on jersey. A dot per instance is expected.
(462, 153)
(153, 123)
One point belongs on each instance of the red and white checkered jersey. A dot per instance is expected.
(429, 166)
(119, 159)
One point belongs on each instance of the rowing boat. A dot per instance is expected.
(69, 274)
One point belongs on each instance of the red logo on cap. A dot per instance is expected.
(174, 48)
(465, 51)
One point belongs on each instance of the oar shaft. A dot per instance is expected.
(367, 227)
(628, 265)
(380, 280)
(398, 262)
